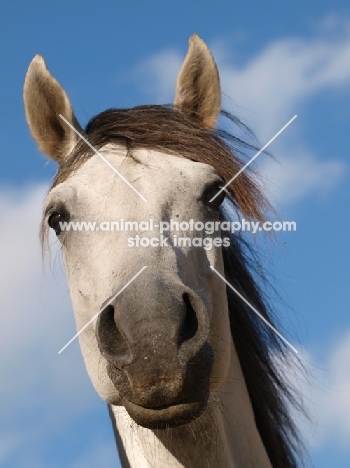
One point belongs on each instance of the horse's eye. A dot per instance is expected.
(211, 192)
(54, 222)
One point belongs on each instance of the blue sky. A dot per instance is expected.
(275, 60)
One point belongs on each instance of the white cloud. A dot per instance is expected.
(324, 389)
(272, 85)
(275, 84)
(156, 75)
(332, 397)
(267, 91)
(294, 176)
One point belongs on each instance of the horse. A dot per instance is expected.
(188, 372)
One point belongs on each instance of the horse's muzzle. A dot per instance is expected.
(159, 358)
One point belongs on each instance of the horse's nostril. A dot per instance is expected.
(190, 324)
(111, 341)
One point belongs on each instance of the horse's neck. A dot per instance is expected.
(224, 436)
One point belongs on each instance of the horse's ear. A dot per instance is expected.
(44, 101)
(198, 93)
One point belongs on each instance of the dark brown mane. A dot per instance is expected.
(169, 131)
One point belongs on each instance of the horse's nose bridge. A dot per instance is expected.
(154, 309)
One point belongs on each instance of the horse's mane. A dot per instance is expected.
(169, 131)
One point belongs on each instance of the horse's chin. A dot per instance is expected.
(173, 415)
